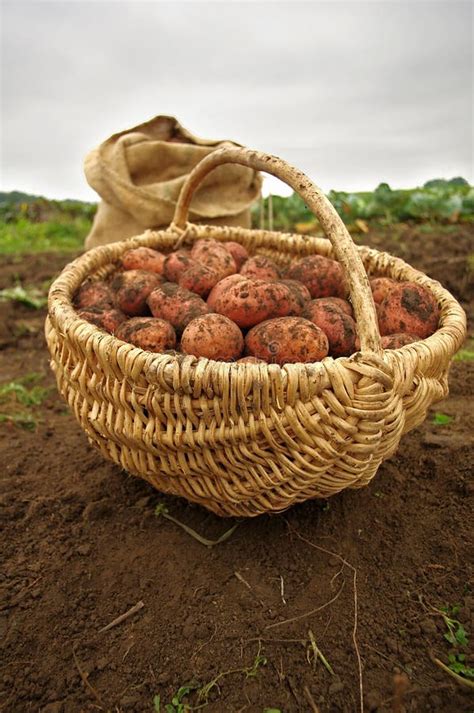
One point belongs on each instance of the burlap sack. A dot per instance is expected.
(139, 172)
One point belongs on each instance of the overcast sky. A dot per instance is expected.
(353, 93)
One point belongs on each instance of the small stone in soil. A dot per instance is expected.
(84, 550)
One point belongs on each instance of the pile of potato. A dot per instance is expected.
(216, 301)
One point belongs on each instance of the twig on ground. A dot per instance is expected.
(309, 613)
(20, 596)
(162, 510)
(310, 699)
(462, 681)
(84, 678)
(318, 653)
(246, 584)
(282, 590)
(122, 617)
(391, 660)
(206, 643)
(354, 629)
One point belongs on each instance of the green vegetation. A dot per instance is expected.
(442, 419)
(179, 705)
(24, 236)
(32, 224)
(438, 200)
(19, 398)
(30, 296)
(457, 636)
(35, 224)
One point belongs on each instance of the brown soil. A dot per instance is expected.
(82, 545)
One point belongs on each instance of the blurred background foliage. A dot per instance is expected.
(34, 224)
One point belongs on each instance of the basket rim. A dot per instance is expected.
(443, 344)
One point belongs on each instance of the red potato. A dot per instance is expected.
(395, 341)
(199, 279)
(300, 295)
(213, 254)
(213, 336)
(106, 318)
(344, 305)
(323, 277)
(381, 286)
(176, 263)
(132, 289)
(148, 333)
(93, 294)
(260, 268)
(221, 287)
(409, 308)
(144, 259)
(248, 302)
(287, 340)
(238, 252)
(339, 328)
(176, 305)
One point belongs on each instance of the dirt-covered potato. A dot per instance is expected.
(213, 336)
(148, 333)
(260, 267)
(176, 263)
(339, 328)
(409, 308)
(221, 287)
(176, 305)
(248, 302)
(213, 254)
(344, 305)
(286, 339)
(199, 279)
(144, 259)
(132, 289)
(380, 287)
(300, 296)
(94, 294)
(238, 252)
(395, 341)
(107, 318)
(322, 276)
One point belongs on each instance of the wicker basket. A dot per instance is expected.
(243, 439)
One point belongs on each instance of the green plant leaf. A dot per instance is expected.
(31, 297)
(157, 703)
(442, 419)
(461, 635)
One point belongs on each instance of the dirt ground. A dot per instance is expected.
(363, 574)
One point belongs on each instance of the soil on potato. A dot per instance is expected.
(360, 574)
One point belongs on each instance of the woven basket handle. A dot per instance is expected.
(344, 249)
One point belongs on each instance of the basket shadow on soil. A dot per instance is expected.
(82, 545)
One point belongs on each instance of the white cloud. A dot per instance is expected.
(352, 92)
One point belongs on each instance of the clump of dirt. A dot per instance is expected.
(362, 576)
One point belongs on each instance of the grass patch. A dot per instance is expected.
(179, 705)
(24, 236)
(30, 296)
(19, 400)
(467, 352)
(442, 419)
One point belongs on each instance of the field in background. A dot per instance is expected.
(265, 621)
(35, 224)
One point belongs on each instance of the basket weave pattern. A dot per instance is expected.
(243, 439)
